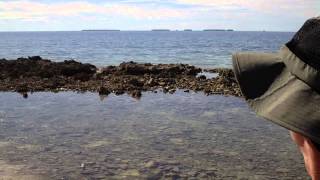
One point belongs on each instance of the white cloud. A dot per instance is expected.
(144, 14)
(305, 8)
(29, 9)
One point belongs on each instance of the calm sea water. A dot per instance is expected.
(109, 48)
(161, 136)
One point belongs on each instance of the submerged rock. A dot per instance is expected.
(25, 95)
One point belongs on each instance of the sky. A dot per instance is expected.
(69, 15)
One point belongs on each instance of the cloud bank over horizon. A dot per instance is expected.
(45, 15)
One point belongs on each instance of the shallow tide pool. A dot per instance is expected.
(161, 136)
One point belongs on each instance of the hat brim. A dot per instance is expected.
(274, 93)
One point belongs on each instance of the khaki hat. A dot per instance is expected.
(284, 87)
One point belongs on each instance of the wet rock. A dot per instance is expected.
(162, 83)
(203, 77)
(103, 91)
(35, 58)
(22, 88)
(152, 82)
(136, 94)
(165, 89)
(25, 95)
(37, 74)
(163, 70)
(171, 91)
(119, 92)
(135, 82)
(37, 67)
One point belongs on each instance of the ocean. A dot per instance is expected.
(203, 49)
(161, 136)
(72, 135)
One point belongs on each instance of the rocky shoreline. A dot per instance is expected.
(34, 74)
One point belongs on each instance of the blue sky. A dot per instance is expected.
(45, 15)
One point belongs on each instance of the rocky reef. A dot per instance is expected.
(33, 74)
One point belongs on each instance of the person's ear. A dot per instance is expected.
(297, 138)
(310, 154)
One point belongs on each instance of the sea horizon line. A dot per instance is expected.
(152, 30)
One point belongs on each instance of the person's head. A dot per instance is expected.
(284, 88)
(306, 45)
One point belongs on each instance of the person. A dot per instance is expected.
(311, 154)
(284, 87)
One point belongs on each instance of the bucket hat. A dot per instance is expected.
(284, 87)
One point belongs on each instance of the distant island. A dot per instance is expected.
(100, 30)
(160, 30)
(218, 30)
(165, 30)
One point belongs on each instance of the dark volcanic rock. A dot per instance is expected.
(103, 91)
(202, 77)
(37, 67)
(163, 70)
(136, 94)
(22, 88)
(37, 74)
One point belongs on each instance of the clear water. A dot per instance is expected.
(188, 135)
(204, 49)
(80, 136)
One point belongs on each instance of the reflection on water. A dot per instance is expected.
(72, 136)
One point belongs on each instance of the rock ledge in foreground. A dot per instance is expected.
(36, 74)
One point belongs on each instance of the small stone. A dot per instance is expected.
(82, 165)
(151, 164)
